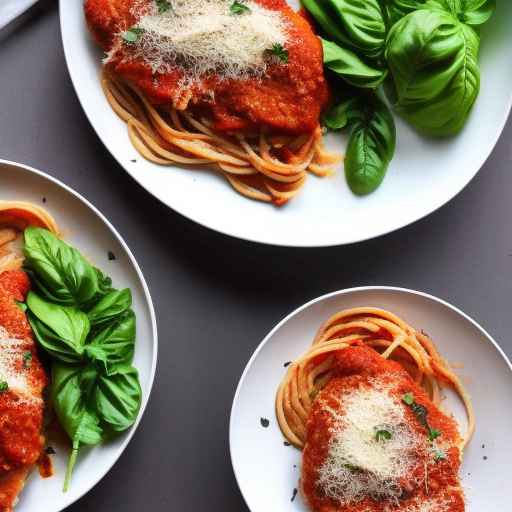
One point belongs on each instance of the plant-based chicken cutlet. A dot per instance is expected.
(287, 98)
(376, 443)
(22, 381)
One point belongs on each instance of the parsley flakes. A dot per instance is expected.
(132, 35)
(383, 435)
(279, 51)
(4, 386)
(408, 398)
(27, 359)
(439, 455)
(163, 6)
(239, 8)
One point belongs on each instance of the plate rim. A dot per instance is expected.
(32, 170)
(254, 239)
(321, 298)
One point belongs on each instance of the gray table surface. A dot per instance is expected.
(216, 297)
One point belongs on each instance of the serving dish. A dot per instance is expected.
(83, 226)
(423, 176)
(267, 470)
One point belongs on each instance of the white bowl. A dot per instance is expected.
(87, 229)
(267, 471)
(423, 176)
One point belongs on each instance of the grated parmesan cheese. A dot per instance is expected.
(359, 465)
(437, 504)
(11, 355)
(203, 37)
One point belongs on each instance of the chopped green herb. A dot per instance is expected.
(132, 35)
(439, 455)
(4, 386)
(383, 435)
(21, 305)
(351, 467)
(421, 413)
(408, 398)
(280, 52)
(239, 8)
(433, 434)
(163, 6)
(27, 359)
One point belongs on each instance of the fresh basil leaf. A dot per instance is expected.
(115, 343)
(336, 117)
(72, 393)
(60, 272)
(397, 9)
(349, 66)
(433, 59)
(355, 24)
(477, 12)
(471, 12)
(118, 397)
(111, 305)
(371, 144)
(60, 330)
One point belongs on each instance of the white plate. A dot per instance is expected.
(267, 471)
(424, 175)
(87, 229)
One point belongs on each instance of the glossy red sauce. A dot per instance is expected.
(354, 369)
(288, 100)
(21, 417)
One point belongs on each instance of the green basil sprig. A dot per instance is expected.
(350, 67)
(88, 328)
(60, 330)
(355, 24)
(60, 272)
(433, 59)
(470, 12)
(371, 144)
(111, 305)
(117, 397)
(115, 343)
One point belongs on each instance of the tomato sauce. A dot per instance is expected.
(354, 369)
(288, 100)
(21, 412)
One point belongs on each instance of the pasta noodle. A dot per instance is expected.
(376, 328)
(249, 163)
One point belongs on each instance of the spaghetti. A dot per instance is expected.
(263, 167)
(387, 334)
(15, 216)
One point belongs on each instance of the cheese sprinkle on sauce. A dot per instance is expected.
(203, 37)
(360, 463)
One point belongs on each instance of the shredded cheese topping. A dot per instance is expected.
(203, 37)
(359, 463)
(12, 351)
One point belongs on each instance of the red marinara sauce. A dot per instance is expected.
(287, 100)
(21, 407)
(355, 369)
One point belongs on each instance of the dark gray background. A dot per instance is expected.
(216, 297)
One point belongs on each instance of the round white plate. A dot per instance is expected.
(86, 228)
(423, 176)
(267, 471)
